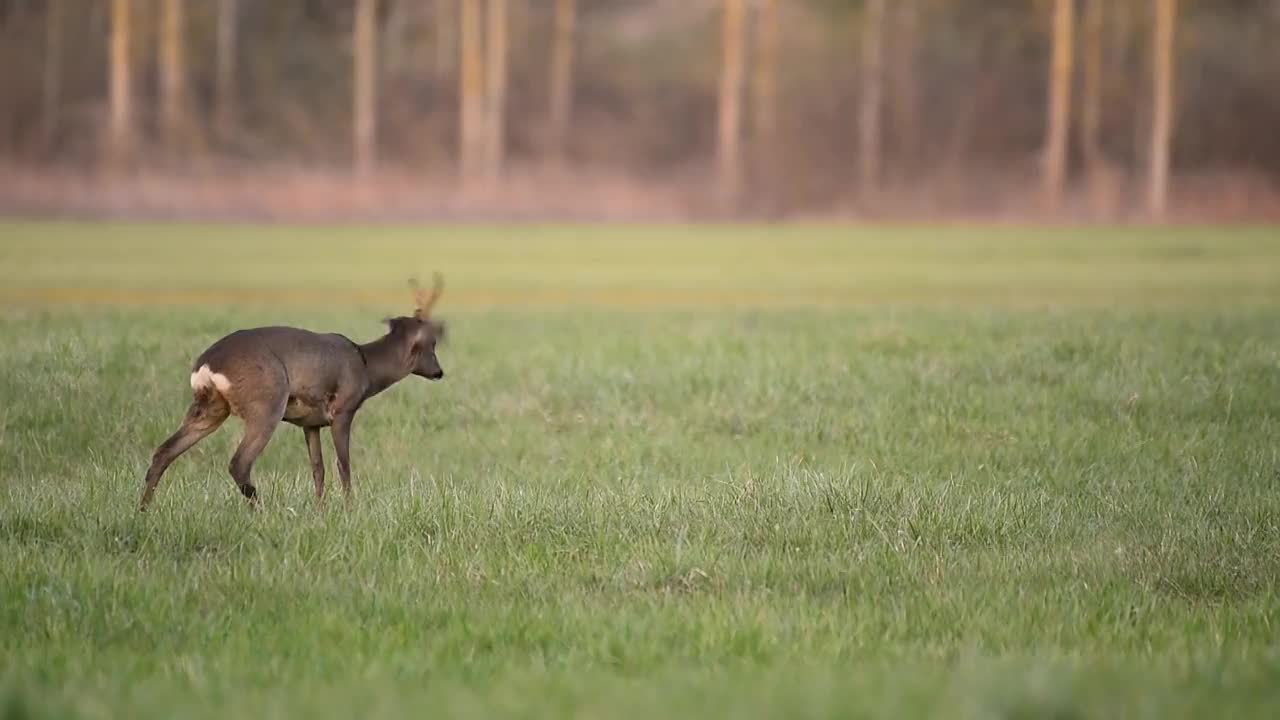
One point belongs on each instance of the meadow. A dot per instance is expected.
(798, 471)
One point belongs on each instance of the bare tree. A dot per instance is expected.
(120, 128)
(1091, 85)
(495, 88)
(764, 120)
(395, 29)
(1166, 12)
(225, 70)
(904, 92)
(938, 100)
(1059, 115)
(1104, 177)
(732, 69)
(174, 120)
(446, 32)
(561, 105)
(52, 80)
(365, 84)
(519, 18)
(872, 97)
(470, 88)
(1132, 23)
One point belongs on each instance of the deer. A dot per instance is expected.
(267, 375)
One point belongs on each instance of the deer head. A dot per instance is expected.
(421, 331)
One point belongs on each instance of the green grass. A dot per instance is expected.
(736, 472)
(680, 266)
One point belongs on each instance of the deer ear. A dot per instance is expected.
(442, 331)
(395, 324)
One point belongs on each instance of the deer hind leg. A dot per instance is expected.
(260, 423)
(206, 414)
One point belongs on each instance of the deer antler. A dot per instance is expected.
(422, 299)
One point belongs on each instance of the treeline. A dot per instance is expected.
(783, 103)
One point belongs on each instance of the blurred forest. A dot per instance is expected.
(641, 109)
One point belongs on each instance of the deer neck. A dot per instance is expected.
(387, 361)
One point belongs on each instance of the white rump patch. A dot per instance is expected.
(204, 377)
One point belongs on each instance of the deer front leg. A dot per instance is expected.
(317, 459)
(341, 431)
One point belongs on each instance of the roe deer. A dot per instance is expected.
(269, 374)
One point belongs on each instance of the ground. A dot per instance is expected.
(809, 471)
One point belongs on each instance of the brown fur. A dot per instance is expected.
(307, 379)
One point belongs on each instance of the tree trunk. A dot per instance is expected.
(1162, 106)
(904, 91)
(52, 97)
(518, 20)
(470, 88)
(173, 74)
(869, 139)
(120, 127)
(365, 85)
(1059, 120)
(1103, 177)
(495, 88)
(729, 161)
(1091, 90)
(225, 81)
(446, 47)
(1135, 17)
(764, 121)
(394, 30)
(561, 79)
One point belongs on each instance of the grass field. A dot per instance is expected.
(719, 472)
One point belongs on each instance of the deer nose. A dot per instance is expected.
(436, 375)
